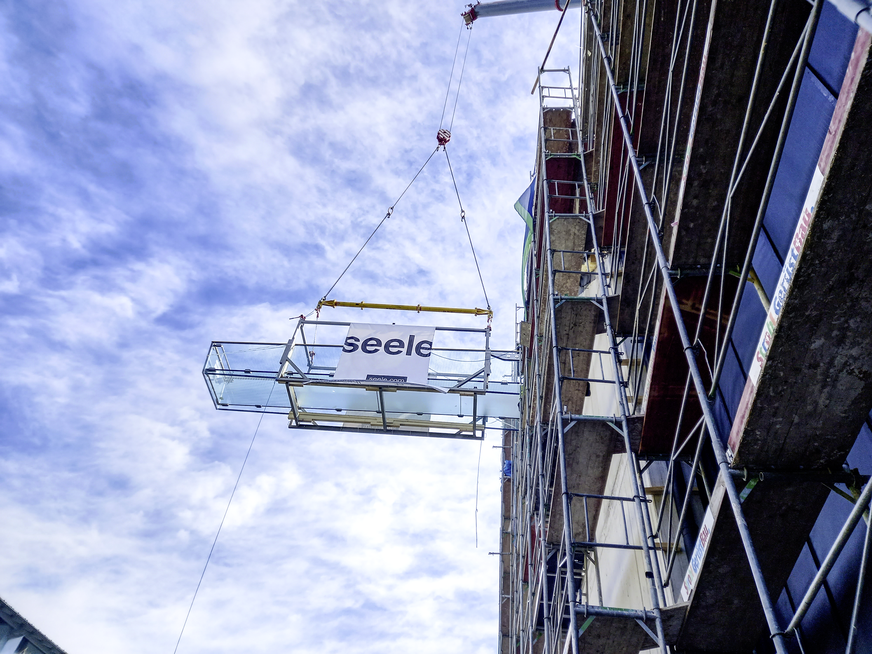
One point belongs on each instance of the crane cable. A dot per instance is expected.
(223, 518)
(387, 215)
(446, 133)
(443, 136)
(468, 235)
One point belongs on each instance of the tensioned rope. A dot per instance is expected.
(223, 518)
(477, 476)
(443, 136)
(460, 77)
(466, 225)
(387, 215)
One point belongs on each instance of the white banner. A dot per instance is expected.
(786, 278)
(774, 316)
(386, 353)
(702, 541)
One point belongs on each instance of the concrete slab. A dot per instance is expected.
(780, 513)
(577, 322)
(815, 387)
(736, 29)
(568, 240)
(590, 446)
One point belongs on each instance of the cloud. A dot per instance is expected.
(173, 173)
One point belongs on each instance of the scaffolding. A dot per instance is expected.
(631, 306)
(561, 453)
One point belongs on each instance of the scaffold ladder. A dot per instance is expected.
(565, 597)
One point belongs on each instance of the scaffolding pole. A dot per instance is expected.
(720, 455)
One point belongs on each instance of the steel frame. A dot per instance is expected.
(473, 386)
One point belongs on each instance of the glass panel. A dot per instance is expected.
(501, 404)
(238, 391)
(11, 645)
(242, 376)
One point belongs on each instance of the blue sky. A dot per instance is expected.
(174, 173)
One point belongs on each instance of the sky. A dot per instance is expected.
(173, 173)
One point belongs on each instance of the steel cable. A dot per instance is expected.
(466, 225)
(223, 518)
(387, 215)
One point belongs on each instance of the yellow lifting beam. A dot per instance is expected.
(404, 307)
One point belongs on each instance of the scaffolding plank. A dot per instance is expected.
(610, 635)
(780, 514)
(822, 336)
(590, 445)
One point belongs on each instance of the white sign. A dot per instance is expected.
(787, 273)
(386, 353)
(774, 316)
(702, 541)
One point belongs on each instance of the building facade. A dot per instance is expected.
(690, 469)
(18, 636)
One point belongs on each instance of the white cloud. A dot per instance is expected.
(181, 172)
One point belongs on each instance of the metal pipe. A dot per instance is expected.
(858, 596)
(835, 550)
(603, 612)
(674, 138)
(546, 610)
(576, 417)
(507, 7)
(404, 307)
(717, 445)
(558, 400)
(767, 191)
(658, 597)
(333, 323)
(841, 477)
(857, 12)
(599, 580)
(761, 290)
(650, 534)
(614, 498)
